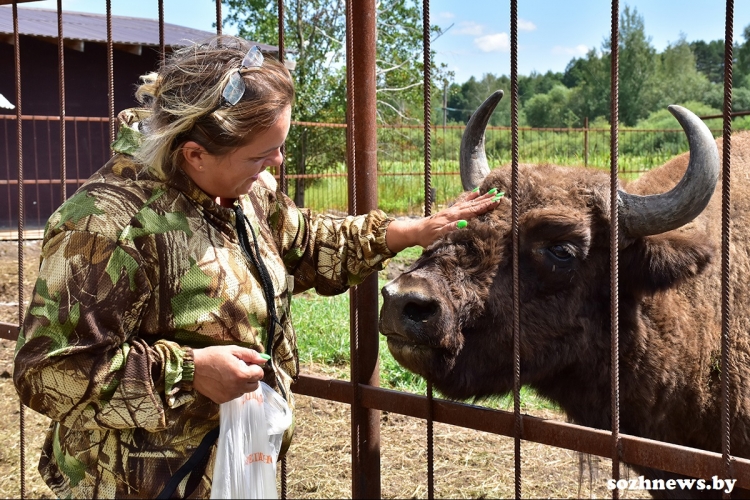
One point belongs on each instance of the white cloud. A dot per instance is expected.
(524, 25)
(498, 42)
(468, 28)
(578, 50)
(446, 15)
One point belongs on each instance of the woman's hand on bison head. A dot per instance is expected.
(425, 231)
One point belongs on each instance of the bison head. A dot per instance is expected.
(449, 317)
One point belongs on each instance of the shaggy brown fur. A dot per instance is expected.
(449, 317)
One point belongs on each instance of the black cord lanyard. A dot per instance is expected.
(265, 282)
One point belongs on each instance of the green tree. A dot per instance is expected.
(465, 98)
(678, 79)
(709, 59)
(551, 109)
(637, 68)
(742, 55)
(589, 79)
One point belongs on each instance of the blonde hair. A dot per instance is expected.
(185, 100)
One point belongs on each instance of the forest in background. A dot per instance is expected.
(689, 73)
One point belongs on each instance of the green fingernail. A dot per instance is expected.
(475, 189)
(461, 224)
(264, 356)
(492, 191)
(498, 196)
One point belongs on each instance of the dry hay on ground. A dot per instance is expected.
(467, 463)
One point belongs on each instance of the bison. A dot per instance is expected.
(449, 317)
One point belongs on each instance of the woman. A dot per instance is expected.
(174, 261)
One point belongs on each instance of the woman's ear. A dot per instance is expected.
(194, 155)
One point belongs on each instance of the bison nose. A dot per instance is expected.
(406, 312)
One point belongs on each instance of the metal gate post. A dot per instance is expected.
(364, 304)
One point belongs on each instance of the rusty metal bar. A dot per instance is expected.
(61, 75)
(427, 87)
(726, 227)
(365, 421)
(9, 331)
(7, 168)
(218, 17)
(19, 129)
(515, 214)
(283, 182)
(162, 46)
(659, 455)
(110, 73)
(614, 248)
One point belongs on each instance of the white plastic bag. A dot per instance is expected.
(252, 427)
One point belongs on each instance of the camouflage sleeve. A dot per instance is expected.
(325, 252)
(78, 358)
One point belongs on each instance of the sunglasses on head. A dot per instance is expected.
(235, 88)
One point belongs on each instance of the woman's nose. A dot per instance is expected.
(277, 158)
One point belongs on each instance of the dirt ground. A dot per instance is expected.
(468, 464)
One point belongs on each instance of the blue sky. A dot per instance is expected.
(551, 32)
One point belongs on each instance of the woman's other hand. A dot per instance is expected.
(406, 233)
(226, 372)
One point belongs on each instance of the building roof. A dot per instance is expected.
(129, 33)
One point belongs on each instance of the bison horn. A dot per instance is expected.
(659, 213)
(472, 160)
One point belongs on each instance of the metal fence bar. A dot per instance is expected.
(19, 135)
(515, 214)
(614, 230)
(365, 422)
(427, 85)
(650, 453)
(726, 312)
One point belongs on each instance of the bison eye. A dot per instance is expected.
(560, 252)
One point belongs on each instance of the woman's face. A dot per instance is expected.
(233, 174)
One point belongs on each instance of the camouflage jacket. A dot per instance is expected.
(135, 273)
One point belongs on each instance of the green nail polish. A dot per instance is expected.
(461, 224)
(264, 356)
(475, 189)
(498, 196)
(492, 191)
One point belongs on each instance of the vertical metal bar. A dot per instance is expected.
(427, 86)
(218, 17)
(36, 166)
(61, 73)
(78, 161)
(614, 245)
(21, 213)
(725, 241)
(283, 182)
(284, 189)
(365, 421)
(515, 211)
(6, 140)
(162, 46)
(586, 142)
(351, 165)
(110, 73)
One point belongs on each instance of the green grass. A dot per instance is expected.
(322, 325)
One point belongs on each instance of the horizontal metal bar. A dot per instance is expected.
(9, 331)
(95, 119)
(635, 450)
(27, 182)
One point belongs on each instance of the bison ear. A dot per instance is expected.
(663, 261)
